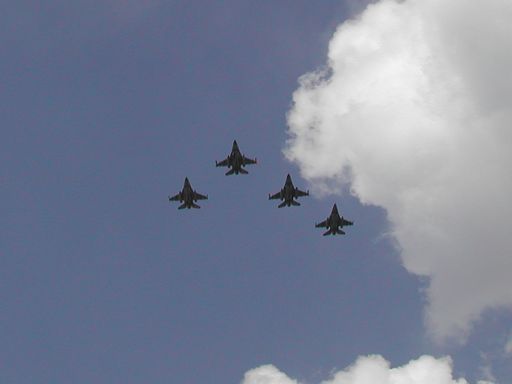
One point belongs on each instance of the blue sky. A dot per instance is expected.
(106, 107)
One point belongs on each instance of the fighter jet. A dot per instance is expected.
(187, 196)
(334, 222)
(236, 161)
(288, 193)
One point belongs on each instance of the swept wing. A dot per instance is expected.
(300, 193)
(249, 161)
(198, 196)
(323, 224)
(275, 196)
(176, 197)
(223, 163)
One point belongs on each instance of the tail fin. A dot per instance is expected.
(230, 172)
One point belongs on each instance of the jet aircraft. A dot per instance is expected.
(288, 193)
(188, 196)
(236, 161)
(334, 223)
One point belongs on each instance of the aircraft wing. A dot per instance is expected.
(299, 193)
(323, 224)
(175, 197)
(198, 196)
(249, 161)
(274, 196)
(345, 222)
(223, 163)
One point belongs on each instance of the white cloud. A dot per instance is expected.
(372, 369)
(266, 374)
(414, 112)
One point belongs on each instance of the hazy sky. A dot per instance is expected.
(107, 105)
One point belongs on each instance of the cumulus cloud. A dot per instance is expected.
(413, 111)
(267, 374)
(372, 370)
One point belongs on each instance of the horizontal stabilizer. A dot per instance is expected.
(243, 171)
(282, 204)
(329, 232)
(230, 172)
(295, 203)
(340, 232)
(182, 206)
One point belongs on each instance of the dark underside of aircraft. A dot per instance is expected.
(188, 196)
(236, 161)
(334, 223)
(288, 194)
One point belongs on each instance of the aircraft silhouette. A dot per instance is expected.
(334, 223)
(236, 161)
(288, 193)
(188, 196)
